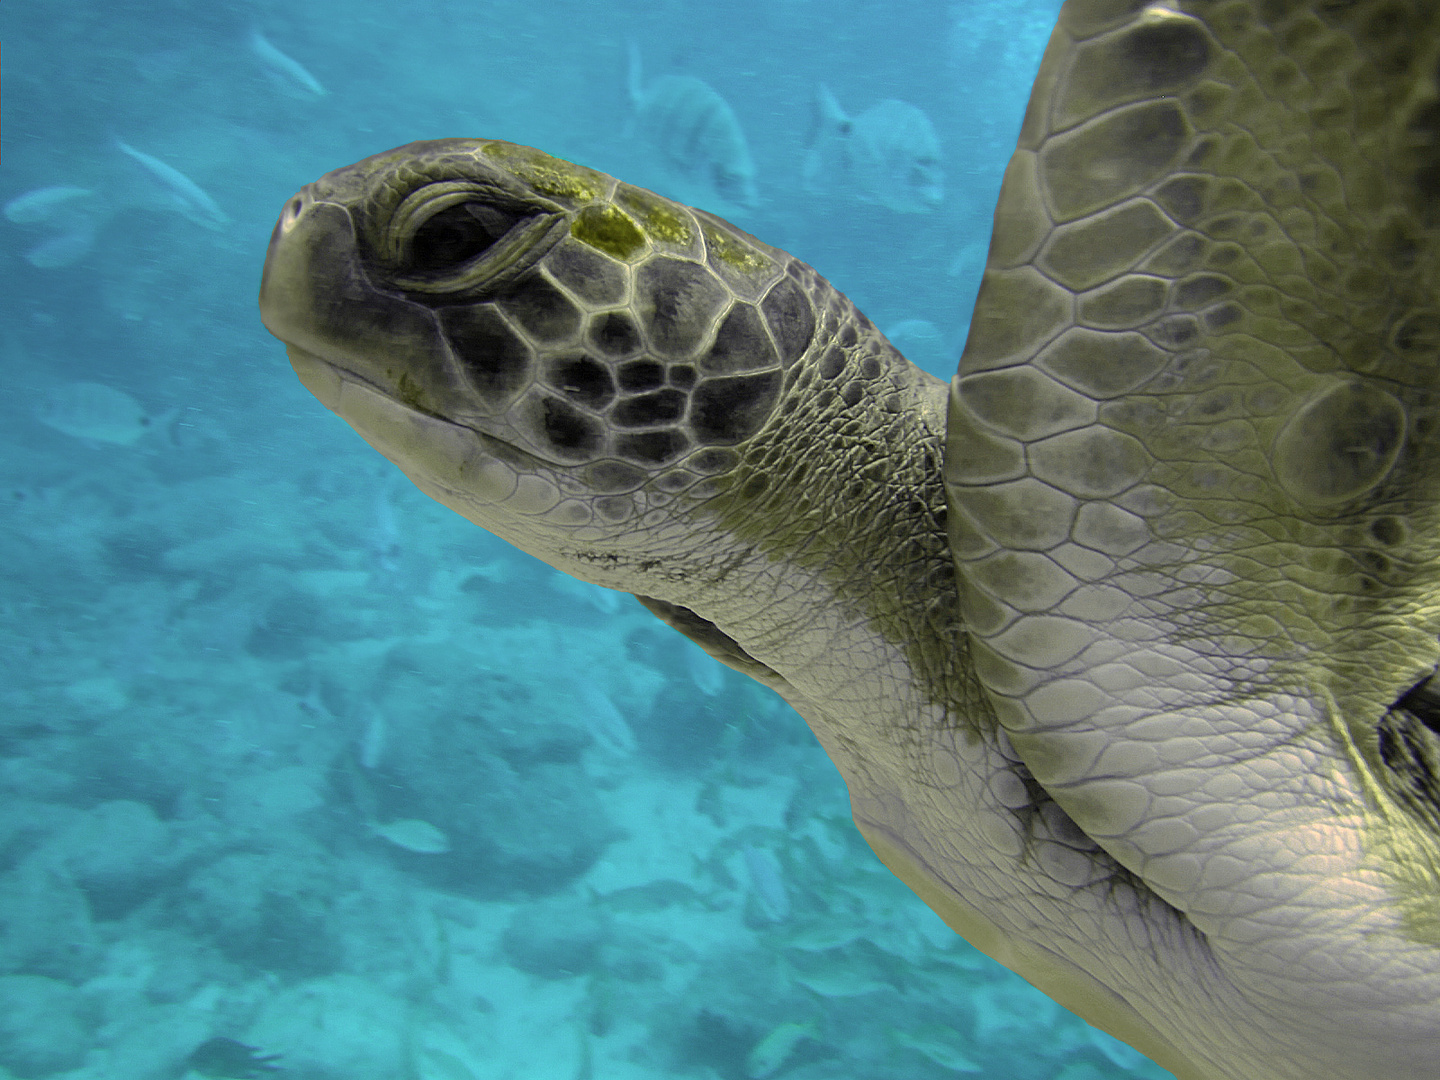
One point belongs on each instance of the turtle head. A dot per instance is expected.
(546, 350)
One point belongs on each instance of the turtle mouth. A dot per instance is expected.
(326, 378)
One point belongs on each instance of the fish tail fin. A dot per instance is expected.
(634, 83)
(634, 88)
(162, 426)
(829, 130)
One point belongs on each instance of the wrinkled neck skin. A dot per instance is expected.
(824, 556)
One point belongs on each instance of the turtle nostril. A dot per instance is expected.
(290, 215)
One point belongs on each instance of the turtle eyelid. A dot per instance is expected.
(457, 234)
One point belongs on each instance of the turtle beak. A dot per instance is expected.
(317, 298)
(306, 236)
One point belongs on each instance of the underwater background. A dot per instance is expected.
(303, 776)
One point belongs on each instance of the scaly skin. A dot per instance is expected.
(1199, 544)
(1195, 835)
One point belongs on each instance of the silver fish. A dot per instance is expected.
(943, 1045)
(373, 741)
(695, 132)
(44, 205)
(183, 193)
(889, 154)
(412, 834)
(767, 883)
(63, 249)
(612, 732)
(284, 71)
(70, 214)
(94, 412)
(774, 1050)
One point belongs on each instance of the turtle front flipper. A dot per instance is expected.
(1193, 470)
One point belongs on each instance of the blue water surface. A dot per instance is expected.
(304, 776)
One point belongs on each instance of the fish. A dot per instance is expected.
(822, 936)
(774, 1049)
(44, 205)
(650, 897)
(96, 413)
(193, 201)
(607, 724)
(373, 741)
(383, 537)
(695, 133)
(412, 834)
(943, 1045)
(889, 154)
(284, 71)
(767, 883)
(72, 214)
(62, 249)
(843, 973)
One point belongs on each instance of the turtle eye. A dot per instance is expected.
(456, 235)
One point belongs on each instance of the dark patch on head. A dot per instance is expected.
(792, 320)
(584, 380)
(870, 367)
(852, 393)
(679, 302)
(741, 344)
(641, 375)
(661, 407)
(729, 410)
(568, 431)
(652, 447)
(682, 376)
(587, 273)
(614, 333)
(542, 309)
(494, 358)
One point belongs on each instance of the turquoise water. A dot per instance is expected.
(294, 760)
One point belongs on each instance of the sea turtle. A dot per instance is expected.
(1122, 641)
